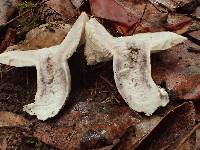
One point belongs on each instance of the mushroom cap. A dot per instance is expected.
(53, 74)
(131, 63)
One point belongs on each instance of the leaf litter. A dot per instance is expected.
(92, 118)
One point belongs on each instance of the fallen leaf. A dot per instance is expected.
(46, 35)
(10, 119)
(185, 6)
(8, 39)
(94, 125)
(198, 138)
(195, 35)
(178, 23)
(136, 133)
(169, 4)
(12, 136)
(88, 125)
(196, 13)
(173, 130)
(153, 20)
(64, 8)
(179, 70)
(7, 8)
(125, 12)
(197, 108)
(78, 3)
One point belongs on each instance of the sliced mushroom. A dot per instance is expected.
(98, 44)
(53, 74)
(131, 63)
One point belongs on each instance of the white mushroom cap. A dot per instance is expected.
(53, 74)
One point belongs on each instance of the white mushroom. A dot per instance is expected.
(53, 74)
(131, 63)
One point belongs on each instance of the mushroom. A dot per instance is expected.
(131, 63)
(53, 74)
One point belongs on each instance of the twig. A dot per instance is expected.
(187, 136)
(193, 49)
(145, 7)
(107, 81)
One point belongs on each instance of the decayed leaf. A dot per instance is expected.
(7, 8)
(178, 23)
(198, 138)
(78, 3)
(93, 125)
(53, 75)
(131, 63)
(153, 20)
(134, 134)
(10, 119)
(173, 131)
(8, 39)
(195, 35)
(127, 13)
(11, 136)
(179, 69)
(169, 4)
(196, 13)
(185, 6)
(45, 35)
(64, 8)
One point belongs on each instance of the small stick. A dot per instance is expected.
(187, 136)
(194, 50)
(107, 81)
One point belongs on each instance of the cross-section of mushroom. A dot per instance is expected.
(131, 63)
(53, 74)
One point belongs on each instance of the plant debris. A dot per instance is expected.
(95, 115)
(185, 122)
(179, 70)
(7, 8)
(46, 35)
(11, 119)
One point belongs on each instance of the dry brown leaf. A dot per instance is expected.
(64, 8)
(179, 70)
(196, 13)
(11, 137)
(185, 6)
(8, 39)
(178, 23)
(195, 35)
(198, 138)
(45, 35)
(78, 3)
(173, 131)
(93, 125)
(153, 20)
(8, 119)
(88, 125)
(125, 12)
(7, 8)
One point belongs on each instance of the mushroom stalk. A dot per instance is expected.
(53, 74)
(131, 63)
